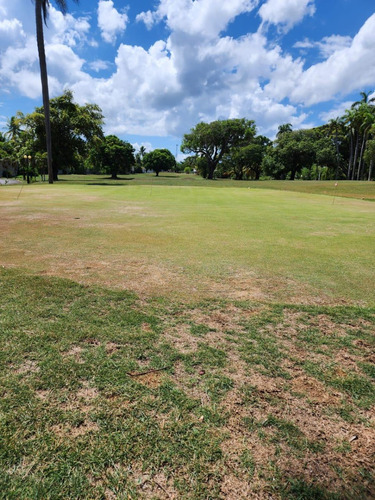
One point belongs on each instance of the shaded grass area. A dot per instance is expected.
(250, 398)
(351, 189)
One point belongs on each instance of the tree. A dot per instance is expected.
(13, 129)
(284, 129)
(113, 155)
(41, 13)
(246, 161)
(74, 129)
(213, 140)
(369, 155)
(159, 160)
(292, 152)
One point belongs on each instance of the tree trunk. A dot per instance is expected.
(370, 170)
(360, 166)
(351, 157)
(355, 156)
(44, 80)
(211, 170)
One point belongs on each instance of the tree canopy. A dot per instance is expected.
(113, 156)
(159, 160)
(213, 140)
(73, 128)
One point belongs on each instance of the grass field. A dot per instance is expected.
(174, 338)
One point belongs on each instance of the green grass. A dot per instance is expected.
(279, 243)
(351, 189)
(170, 338)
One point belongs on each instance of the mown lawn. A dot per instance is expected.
(194, 241)
(180, 341)
(349, 189)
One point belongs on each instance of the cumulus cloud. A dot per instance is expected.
(111, 22)
(345, 70)
(67, 29)
(286, 13)
(206, 18)
(197, 72)
(11, 30)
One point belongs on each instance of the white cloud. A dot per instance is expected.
(286, 13)
(345, 70)
(206, 18)
(111, 22)
(327, 46)
(197, 73)
(11, 30)
(99, 65)
(336, 111)
(66, 28)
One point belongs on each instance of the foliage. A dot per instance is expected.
(159, 160)
(74, 129)
(112, 155)
(295, 152)
(246, 162)
(213, 140)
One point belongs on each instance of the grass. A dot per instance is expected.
(194, 241)
(350, 189)
(185, 342)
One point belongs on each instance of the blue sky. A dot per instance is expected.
(158, 67)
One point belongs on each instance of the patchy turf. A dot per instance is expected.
(194, 242)
(169, 340)
(106, 395)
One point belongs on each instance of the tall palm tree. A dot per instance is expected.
(41, 14)
(13, 129)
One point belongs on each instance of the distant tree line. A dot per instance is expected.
(344, 148)
(79, 145)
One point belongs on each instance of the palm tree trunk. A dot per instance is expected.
(370, 171)
(44, 79)
(351, 156)
(360, 166)
(355, 156)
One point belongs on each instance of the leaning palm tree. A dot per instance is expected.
(41, 13)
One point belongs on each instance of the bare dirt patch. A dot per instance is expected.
(151, 380)
(27, 368)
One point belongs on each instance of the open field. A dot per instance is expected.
(194, 241)
(169, 340)
(349, 189)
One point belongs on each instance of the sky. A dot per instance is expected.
(157, 68)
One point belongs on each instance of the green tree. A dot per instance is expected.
(213, 140)
(113, 156)
(41, 13)
(292, 152)
(159, 160)
(13, 132)
(74, 130)
(369, 157)
(285, 128)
